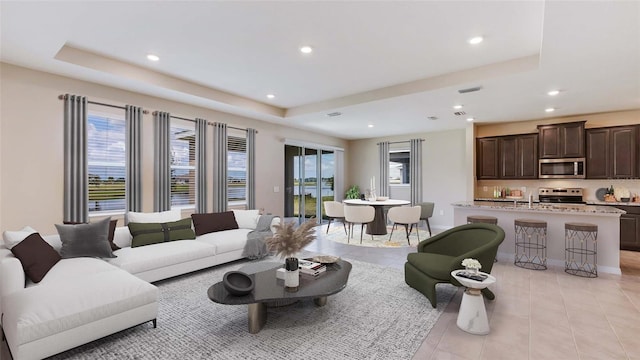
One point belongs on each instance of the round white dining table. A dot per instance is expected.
(379, 224)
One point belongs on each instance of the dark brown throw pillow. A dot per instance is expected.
(36, 255)
(212, 222)
(112, 232)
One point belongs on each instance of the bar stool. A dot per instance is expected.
(581, 249)
(472, 219)
(531, 244)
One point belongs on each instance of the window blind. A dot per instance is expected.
(237, 171)
(183, 163)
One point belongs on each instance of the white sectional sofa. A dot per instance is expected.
(83, 299)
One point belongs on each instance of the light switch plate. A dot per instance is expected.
(276, 189)
(441, 212)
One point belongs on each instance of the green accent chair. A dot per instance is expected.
(439, 255)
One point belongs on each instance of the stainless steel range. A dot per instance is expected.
(560, 195)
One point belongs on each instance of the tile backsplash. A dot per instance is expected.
(589, 186)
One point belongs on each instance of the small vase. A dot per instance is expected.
(292, 274)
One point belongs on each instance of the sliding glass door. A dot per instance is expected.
(309, 175)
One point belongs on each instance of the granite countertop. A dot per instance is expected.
(559, 208)
(607, 203)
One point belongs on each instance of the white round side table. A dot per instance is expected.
(472, 316)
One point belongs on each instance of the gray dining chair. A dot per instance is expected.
(357, 214)
(335, 211)
(426, 212)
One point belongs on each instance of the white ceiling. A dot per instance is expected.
(388, 64)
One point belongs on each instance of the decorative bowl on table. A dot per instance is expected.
(325, 259)
(382, 198)
(625, 199)
(237, 283)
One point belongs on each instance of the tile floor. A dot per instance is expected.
(536, 314)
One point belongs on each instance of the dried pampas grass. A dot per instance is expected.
(289, 240)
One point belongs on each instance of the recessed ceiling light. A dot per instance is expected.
(370, 125)
(550, 109)
(270, 96)
(553, 92)
(306, 49)
(476, 40)
(457, 107)
(153, 57)
(470, 119)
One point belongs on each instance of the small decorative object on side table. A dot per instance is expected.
(472, 316)
(288, 241)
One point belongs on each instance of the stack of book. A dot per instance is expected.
(311, 268)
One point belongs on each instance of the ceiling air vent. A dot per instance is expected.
(464, 91)
(334, 114)
(432, 118)
(459, 113)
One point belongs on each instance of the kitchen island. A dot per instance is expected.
(556, 215)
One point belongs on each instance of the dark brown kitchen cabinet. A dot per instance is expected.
(612, 153)
(561, 140)
(630, 228)
(517, 155)
(487, 158)
(507, 157)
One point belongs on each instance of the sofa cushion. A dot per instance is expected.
(112, 229)
(44, 310)
(154, 233)
(36, 256)
(246, 219)
(226, 241)
(140, 259)
(85, 239)
(70, 269)
(212, 222)
(435, 265)
(154, 217)
(12, 238)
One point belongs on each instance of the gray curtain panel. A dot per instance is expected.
(76, 183)
(162, 161)
(133, 149)
(220, 137)
(415, 171)
(338, 178)
(251, 168)
(201, 166)
(383, 149)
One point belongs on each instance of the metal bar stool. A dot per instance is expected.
(581, 249)
(531, 244)
(472, 219)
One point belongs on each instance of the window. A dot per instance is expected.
(237, 172)
(183, 161)
(106, 162)
(399, 167)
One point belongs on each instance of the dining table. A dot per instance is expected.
(379, 224)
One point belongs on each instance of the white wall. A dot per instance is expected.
(31, 145)
(444, 174)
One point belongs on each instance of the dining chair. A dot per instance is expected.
(335, 211)
(426, 212)
(358, 214)
(405, 215)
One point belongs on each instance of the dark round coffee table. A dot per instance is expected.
(269, 289)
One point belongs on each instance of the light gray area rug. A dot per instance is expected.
(377, 316)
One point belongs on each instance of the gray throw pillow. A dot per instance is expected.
(85, 240)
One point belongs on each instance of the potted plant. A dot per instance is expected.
(353, 192)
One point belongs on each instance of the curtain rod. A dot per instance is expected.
(61, 97)
(208, 123)
(399, 142)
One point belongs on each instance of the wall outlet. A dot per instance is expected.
(485, 188)
(441, 212)
(276, 189)
(524, 190)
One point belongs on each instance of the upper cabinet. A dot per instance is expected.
(561, 140)
(612, 152)
(487, 158)
(507, 157)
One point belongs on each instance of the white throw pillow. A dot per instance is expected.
(154, 217)
(13, 238)
(246, 219)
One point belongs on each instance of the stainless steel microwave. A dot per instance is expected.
(561, 168)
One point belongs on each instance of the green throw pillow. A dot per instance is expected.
(154, 233)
